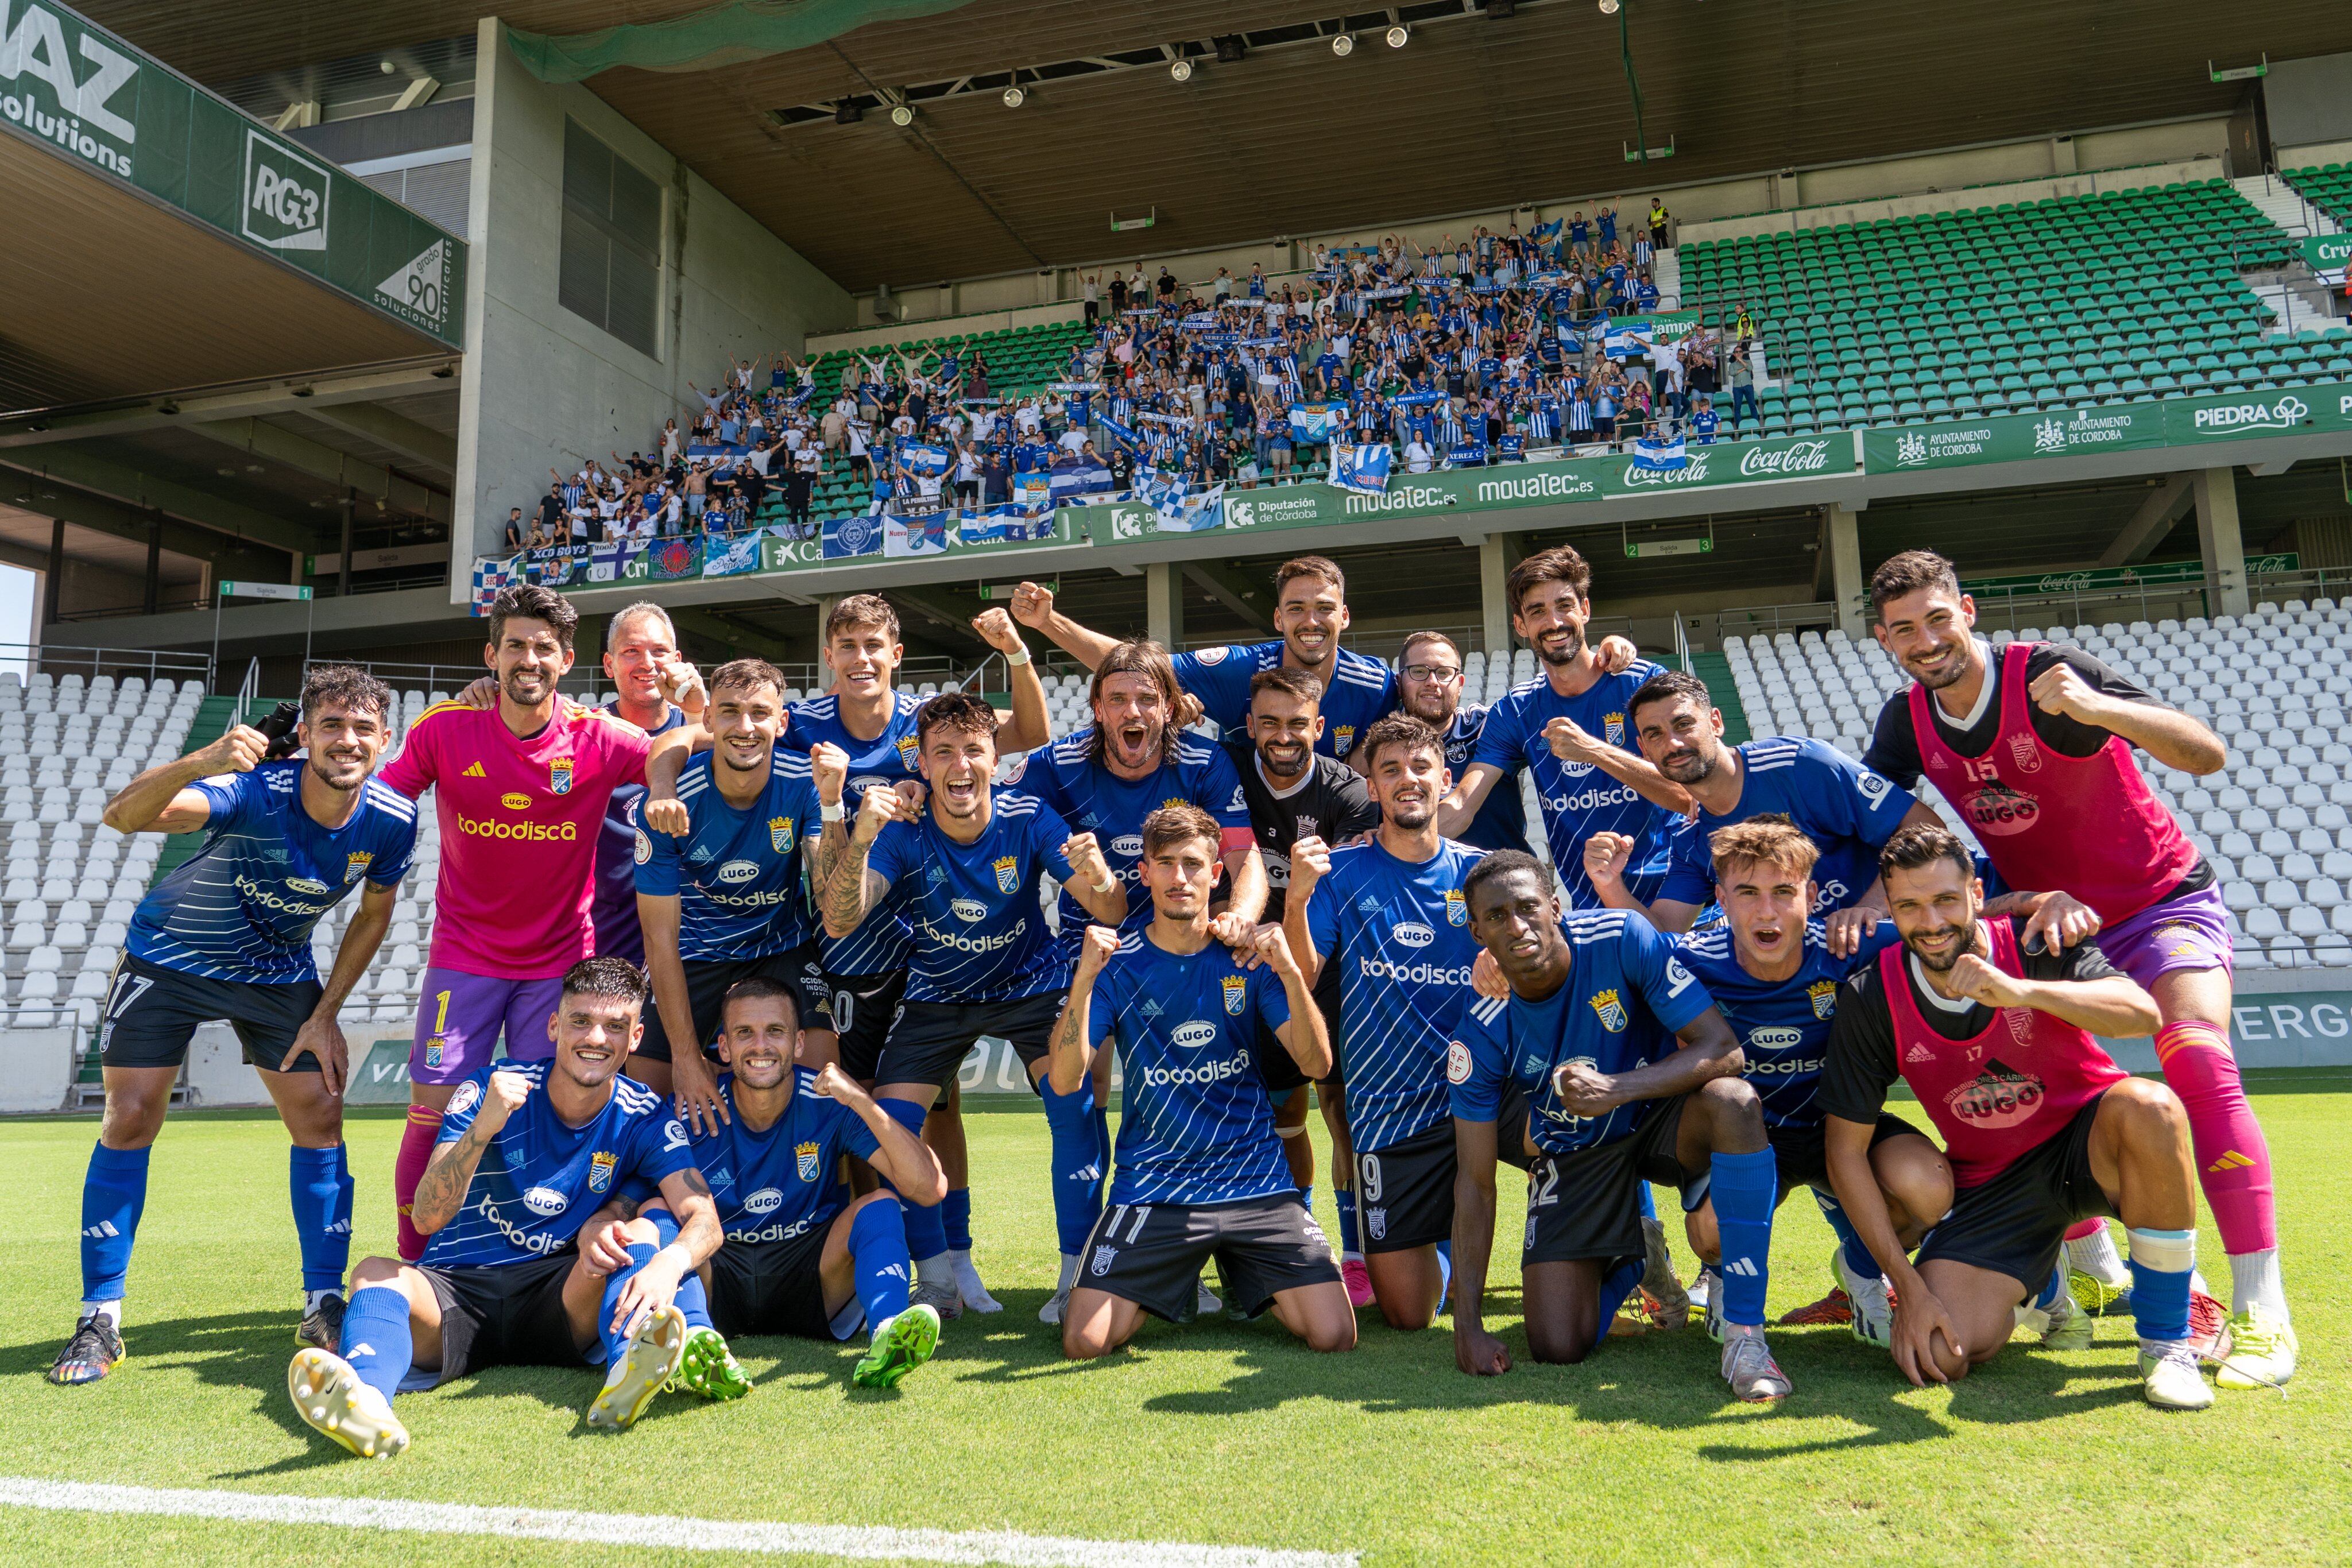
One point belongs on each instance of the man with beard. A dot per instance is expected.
(1612, 1107)
(1310, 612)
(1389, 915)
(1294, 793)
(2034, 749)
(1569, 728)
(523, 789)
(657, 690)
(1104, 779)
(2040, 1126)
(1846, 810)
(1429, 687)
(984, 962)
(228, 935)
(727, 899)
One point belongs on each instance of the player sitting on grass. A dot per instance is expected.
(514, 1271)
(2040, 1126)
(1584, 1034)
(801, 1256)
(1199, 1166)
(228, 935)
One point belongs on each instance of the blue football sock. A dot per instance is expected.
(1350, 1243)
(1857, 1256)
(1306, 1197)
(1444, 1272)
(926, 1226)
(693, 1301)
(2162, 1262)
(1077, 1162)
(376, 1341)
(319, 1192)
(955, 1219)
(1744, 1187)
(640, 1254)
(1649, 1204)
(113, 1194)
(877, 1250)
(2053, 1285)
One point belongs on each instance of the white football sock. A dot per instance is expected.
(1069, 1271)
(2097, 1256)
(111, 1310)
(934, 1270)
(2254, 1283)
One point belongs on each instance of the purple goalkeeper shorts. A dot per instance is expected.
(2186, 931)
(459, 1018)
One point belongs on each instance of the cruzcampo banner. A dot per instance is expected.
(2327, 253)
(87, 97)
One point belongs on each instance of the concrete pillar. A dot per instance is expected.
(1846, 586)
(2218, 537)
(1163, 603)
(1494, 605)
(155, 585)
(54, 578)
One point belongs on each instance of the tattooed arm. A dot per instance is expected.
(852, 887)
(1073, 1051)
(441, 1192)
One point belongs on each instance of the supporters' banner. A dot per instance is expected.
(1034, 490)
(1543, 231)
(490, 575)
(1180, 509)
(1627, 339)
(1316, 423)
(1391, 293)
(713, 451)
(1201, 321)
(558, 565)
(1657, 453)
(1073, 387)
(1084, 478)
(1116, 430)
(1425, 398)
(919, 457)
(923, 534)
(732, 555)
(846, 538)
(1006, 525)
(610, 562)
(1360, 467)
(1466, 455)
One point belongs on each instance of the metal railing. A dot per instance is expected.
(248, 693)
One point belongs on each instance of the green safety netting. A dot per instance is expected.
(720, 36)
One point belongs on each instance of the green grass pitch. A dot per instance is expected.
(1213, 1433)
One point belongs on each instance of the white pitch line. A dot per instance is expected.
(662, 1531)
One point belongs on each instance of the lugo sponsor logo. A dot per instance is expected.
(545, 1200)
(1413, 933)
(306, 884)
(61, 94)
(969, 910)
(737, 871)
(765, 1201)
(285, 197)
(2281, 413)
(1196, 1034)
(1127, 844)
(1775, 1038)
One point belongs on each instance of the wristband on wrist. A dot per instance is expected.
(833, 813)
(1105, 886)
(1017, 659)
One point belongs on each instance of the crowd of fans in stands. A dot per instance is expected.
(1484, 349)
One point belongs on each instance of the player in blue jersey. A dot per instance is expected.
(1631, 1076)
(803, 1255)
(1390, 914)
(726, 899)
(228, 937)
(1570, 729)
(525, 1267)
(1847, 811)
(969, 863)
(658, 691)
(1311, 611)
(1429, 687)
(865, 715)
(1772, 971)
(1199, 1171)
(1104, 779)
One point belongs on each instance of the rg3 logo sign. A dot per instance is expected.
(285, 197)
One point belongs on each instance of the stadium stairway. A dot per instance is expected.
(2285, 205)
(1666, 273)
(1715, 669)
(2328, 188)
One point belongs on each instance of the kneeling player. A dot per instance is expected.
(1199, 1169)
(1584, 1032)
(801, 1256)
(2042, 1127)
(515, 1273)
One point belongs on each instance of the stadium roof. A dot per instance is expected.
(1475, 114)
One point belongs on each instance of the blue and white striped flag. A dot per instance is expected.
(1658, 453)
(1362, 467)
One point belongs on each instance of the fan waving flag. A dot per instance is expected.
(1658, 453)
(1362, 467)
